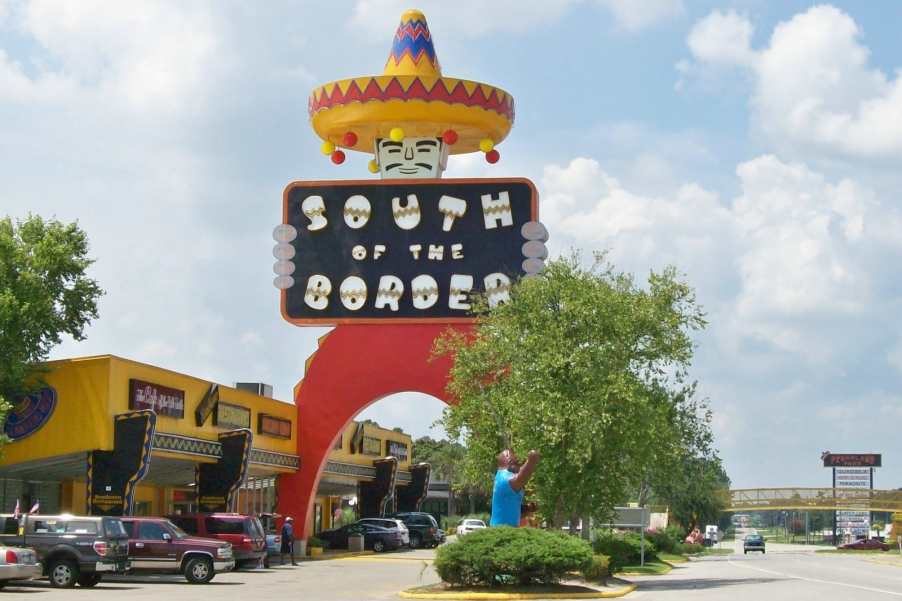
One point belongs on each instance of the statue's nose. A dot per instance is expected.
(408, 153)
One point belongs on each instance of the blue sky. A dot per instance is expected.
(755, 145)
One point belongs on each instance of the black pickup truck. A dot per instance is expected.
(72, 549)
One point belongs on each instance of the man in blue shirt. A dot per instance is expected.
(510, 479)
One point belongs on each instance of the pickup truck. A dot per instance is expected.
(72, 549)
(158, 545)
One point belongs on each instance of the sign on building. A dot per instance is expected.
(160, 399)
(231, 416)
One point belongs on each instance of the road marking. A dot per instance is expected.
(830, 582)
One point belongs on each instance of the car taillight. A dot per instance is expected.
(278, 540)
(11, 556)
(245, 540)
(100, 547)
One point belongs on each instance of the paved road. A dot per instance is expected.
(785, 573)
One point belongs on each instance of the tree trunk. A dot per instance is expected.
(586, 533)
(574, 522)
(472, 497)
(452, 504)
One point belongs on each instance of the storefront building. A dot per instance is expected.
(111, 435)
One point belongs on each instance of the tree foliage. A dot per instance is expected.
(44, 295)
(586, 366)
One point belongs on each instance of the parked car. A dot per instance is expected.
(753, 542)
(158, 545)
(469, 525)
(273, 537)
(17, 563)
(243, 532)
(71, 549)
(866, 545)
(424, 531)
(375, 537)
(389, 523)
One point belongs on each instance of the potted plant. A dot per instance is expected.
(315, 546)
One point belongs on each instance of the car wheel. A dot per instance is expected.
(89, 580)
(415, 541)
(378, 546)
(63, 573)
(199, 570)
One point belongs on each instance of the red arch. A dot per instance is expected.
(354, 366)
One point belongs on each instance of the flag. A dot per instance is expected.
(35, 507)
(17, 512)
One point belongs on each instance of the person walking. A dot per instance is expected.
(288, 539)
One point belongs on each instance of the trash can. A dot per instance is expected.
(355, 542)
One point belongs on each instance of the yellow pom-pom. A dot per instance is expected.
(486, 145)
(327, 148)
(396, 134)
(373, 166)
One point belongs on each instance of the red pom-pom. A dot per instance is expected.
(338, 157)
(349, 139)
(492, 156)
(450, 137)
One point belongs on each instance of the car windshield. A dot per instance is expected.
(115, 529)
(474, 522)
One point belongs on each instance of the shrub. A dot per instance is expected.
(692, 548)
(598, 570)
(315, 542)
(505, 555)
(622, 549)
(667, 540)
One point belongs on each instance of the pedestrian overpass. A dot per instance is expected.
(813, 499)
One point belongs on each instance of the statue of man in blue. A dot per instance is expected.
(510, 480)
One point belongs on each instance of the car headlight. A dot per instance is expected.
(224, 552)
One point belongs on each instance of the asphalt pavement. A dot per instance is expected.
(786, 572)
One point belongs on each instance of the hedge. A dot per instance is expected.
(505, 555)
(623, 549)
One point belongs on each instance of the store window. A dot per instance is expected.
(396, 449)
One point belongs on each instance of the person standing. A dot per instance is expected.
(510, 480)
(288, 539)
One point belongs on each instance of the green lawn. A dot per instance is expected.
(716, 551)
(651, 568)
(672, 557)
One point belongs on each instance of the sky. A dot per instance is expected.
(753, 145)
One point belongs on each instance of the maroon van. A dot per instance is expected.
(158, 545)
(244, 532)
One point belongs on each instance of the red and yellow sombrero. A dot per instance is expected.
(411, 98)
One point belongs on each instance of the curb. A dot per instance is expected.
(336, 556)
(667, 563)
(621, 592)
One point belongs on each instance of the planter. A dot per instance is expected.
(316, 551)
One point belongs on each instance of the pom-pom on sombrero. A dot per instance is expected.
(411, 98)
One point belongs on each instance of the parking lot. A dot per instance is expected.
(352, 579)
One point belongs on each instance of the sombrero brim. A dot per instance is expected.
(421, 106)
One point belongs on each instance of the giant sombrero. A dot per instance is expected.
(411, 98)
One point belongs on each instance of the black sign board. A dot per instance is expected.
(852, 460)
(114, 475)
(217, 482)
(403, 250)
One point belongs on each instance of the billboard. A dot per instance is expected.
(404, 250)
(852, 459)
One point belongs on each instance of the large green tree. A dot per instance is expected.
(444, 456)
(44, 295)
(586, 366)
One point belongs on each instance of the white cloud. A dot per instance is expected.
(635, 15)
(813, 82)
(791, 253)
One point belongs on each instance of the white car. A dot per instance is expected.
(390, 523)
(468, 526)
(17, 563)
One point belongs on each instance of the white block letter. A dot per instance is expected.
(497, 209)
(497, 288)
(425, 291)
(389, 292)
(317, 293)
(436, 252)
(314, 209)
(460, 286)
(353, 292)
(357, 211)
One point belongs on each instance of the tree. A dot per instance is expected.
(585, 366)
(695, 491)
(44, 294)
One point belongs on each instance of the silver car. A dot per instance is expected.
(17, 563)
